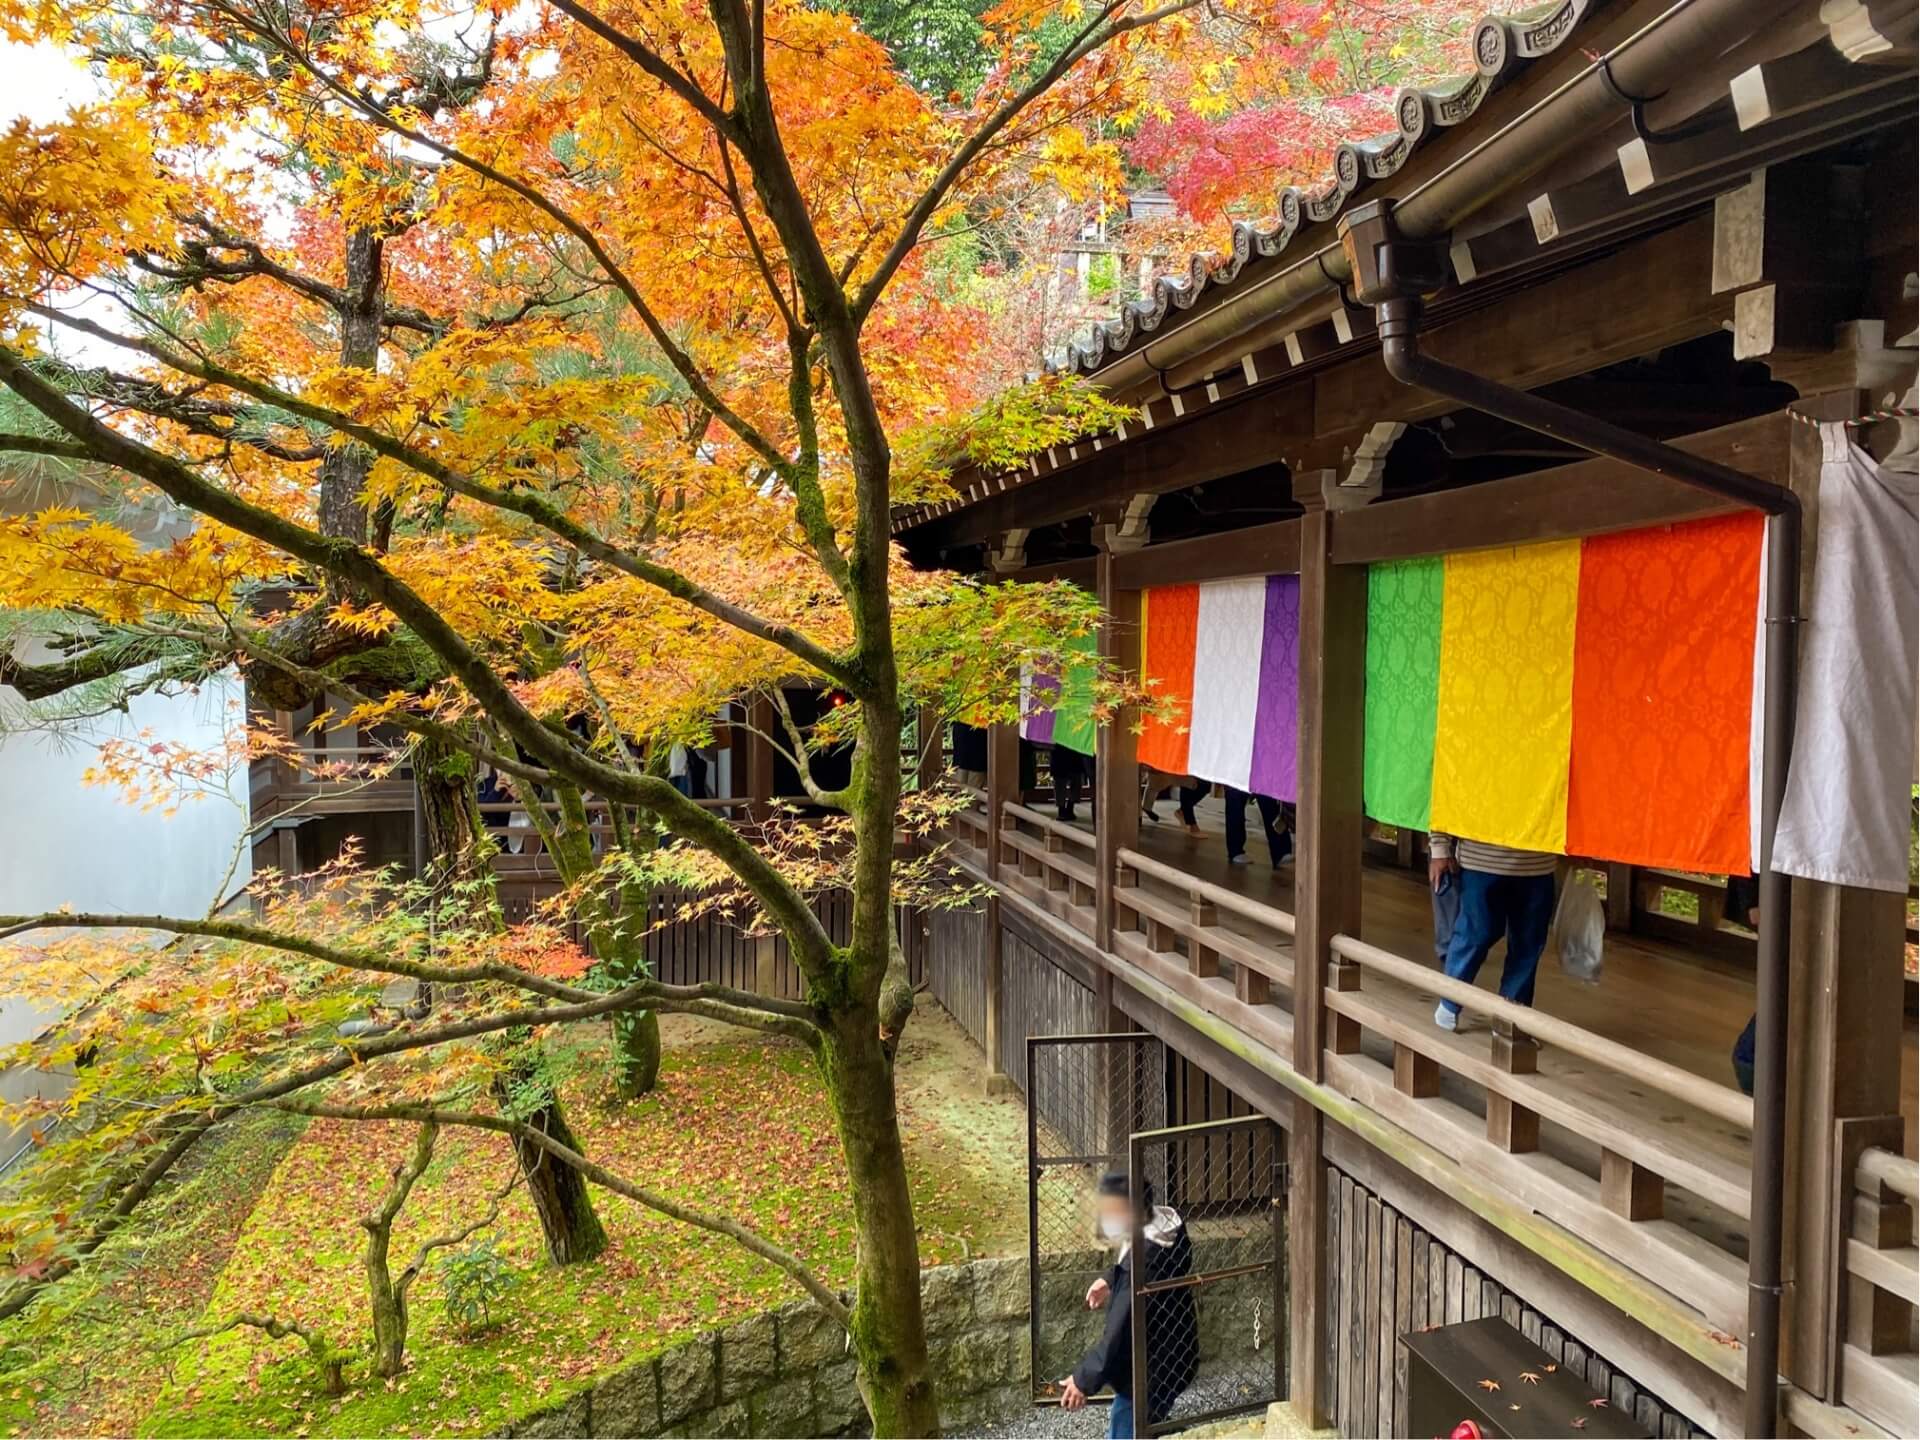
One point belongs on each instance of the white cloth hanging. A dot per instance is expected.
(1846, 817)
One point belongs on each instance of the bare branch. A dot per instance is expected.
(788, 1263)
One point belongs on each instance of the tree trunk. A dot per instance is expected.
(343, 474)
(888, 1330)
(621, 953)
(573, 1231)
(456, 841)
(389, 1304)
(636, 1053)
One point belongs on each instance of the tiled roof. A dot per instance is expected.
(1502, 44)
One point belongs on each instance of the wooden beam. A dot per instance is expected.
(1652, 293)
(1272, 549)
(1236, 435)
(1074, 572)
(761, 723)
(1590, 497)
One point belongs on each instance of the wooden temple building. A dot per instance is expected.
(1689, 228)
(1695, 224)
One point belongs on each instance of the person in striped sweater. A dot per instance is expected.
(1502, 891)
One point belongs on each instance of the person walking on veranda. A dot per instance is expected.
(1502, 891)
(1279, 842)
(1173, 1336)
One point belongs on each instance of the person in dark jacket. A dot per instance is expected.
(1173, 1337)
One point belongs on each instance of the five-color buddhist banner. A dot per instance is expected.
(1588, 697)
(1224, 658)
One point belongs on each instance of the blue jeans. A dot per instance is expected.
(1517, 906)
(1446, 913)
(1120, 1418)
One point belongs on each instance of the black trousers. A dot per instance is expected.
(1190, 796)
(1069, 767)
(1237, 823)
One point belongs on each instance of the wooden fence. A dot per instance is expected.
(708, 948)
(1387, 1276)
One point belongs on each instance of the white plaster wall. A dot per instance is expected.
(64, 842)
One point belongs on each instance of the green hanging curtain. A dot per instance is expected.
(1403, 688)
(1073, 724)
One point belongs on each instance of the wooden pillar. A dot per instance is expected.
(930, 751)
(1846, 1005)
(1003, 785)
(761, 721)
(1116, 816)
(1333, 621)
(993, 963)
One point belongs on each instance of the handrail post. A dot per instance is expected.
(1116, 807)
(1333, 617)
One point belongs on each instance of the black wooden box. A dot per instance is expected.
(1489, 1373)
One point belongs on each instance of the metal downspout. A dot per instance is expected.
(1399, 318)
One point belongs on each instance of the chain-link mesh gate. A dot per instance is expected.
(1087, 1096)
(1210, 1300)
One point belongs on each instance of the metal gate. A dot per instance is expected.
(1210, 1302)
(1208, 1321)
(1087, 1096)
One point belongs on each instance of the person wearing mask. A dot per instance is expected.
(1502, 891)
(1279, 842)
(1173, 1337)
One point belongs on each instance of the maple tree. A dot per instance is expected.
(539, 381)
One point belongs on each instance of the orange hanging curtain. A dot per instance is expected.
(1663, 694)
(1171, 618)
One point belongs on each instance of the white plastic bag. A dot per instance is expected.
(1580, 929)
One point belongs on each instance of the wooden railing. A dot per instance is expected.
(1258, 953)
(334, 779)
(1879, 1367)
(509, 822)
(970, 827)
(1231, 955)
(1630, 1109)
(1050, 860)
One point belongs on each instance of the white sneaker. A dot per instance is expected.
(1236, 859)
(1446, 1019)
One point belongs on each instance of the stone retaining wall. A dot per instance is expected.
(788, 1372)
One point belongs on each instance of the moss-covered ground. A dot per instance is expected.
(267, 1221)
